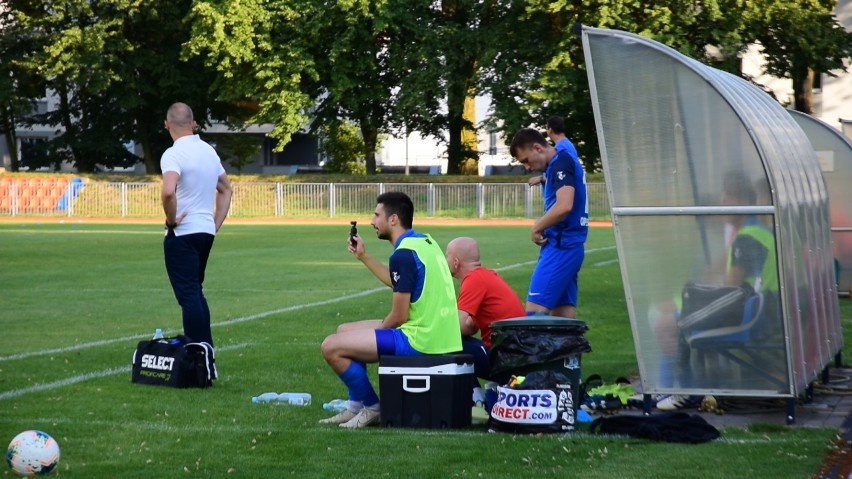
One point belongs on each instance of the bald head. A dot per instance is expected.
(462, 256)
(179, 120)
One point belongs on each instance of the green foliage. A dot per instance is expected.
(238, 150)
(799, 37)
(115, 68)
(257, 55)
(389, 67)
(343, 147)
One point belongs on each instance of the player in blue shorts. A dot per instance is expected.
(561, 231)
(423, 318)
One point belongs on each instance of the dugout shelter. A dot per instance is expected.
(674, 135)
(834, 154)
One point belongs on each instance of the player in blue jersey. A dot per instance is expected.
(556, 133)
(561, 232)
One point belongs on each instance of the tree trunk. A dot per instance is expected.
(458, 90)
(470, 142)
(152, 165)
(803, 90)
(11, 141)
(371, 136)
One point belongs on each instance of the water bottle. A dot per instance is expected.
(336, 405)
(158, 334)
(293, 399)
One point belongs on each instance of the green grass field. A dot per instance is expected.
(76, 298)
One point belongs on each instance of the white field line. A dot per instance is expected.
(297, 307)
(85, 377)
(124, 369)
(137, 337)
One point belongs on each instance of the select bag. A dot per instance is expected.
(175, 363)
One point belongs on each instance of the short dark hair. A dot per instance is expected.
(525, 138)
(557, 124)
(399, 204)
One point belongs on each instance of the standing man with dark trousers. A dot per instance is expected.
(193, 178)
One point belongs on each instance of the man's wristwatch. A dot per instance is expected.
(170, 226)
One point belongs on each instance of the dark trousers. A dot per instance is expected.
(481, 364)
(186, 261)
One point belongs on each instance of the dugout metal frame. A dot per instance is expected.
(670, 129)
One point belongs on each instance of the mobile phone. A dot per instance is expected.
(353, 232)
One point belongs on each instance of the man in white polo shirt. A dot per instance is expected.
(193, 179)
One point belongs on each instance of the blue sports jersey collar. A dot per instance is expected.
(408, 234)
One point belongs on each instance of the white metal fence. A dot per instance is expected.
(288, 200)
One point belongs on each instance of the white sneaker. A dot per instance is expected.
(677, 401)
(345, 415)
(364, 418)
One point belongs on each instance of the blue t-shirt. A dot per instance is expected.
(566, 146)
(406, 270)
(565, 170)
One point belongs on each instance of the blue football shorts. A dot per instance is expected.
(392, 342)
(554, 280)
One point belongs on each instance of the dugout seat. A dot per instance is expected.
(748, 344)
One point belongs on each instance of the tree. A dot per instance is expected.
(115, 68)
(800, 38)
(442, 44)
(355, 78)
(344, 147)
(19, 90)
(256, 50)
(236, 149)
(537, 69)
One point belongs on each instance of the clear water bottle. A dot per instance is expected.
(336, 405)
(293, 399)
(158, 334)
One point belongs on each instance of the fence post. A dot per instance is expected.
(528, 201)
(279, 199)
(123, 201)
(480, 200)
(430, 200)
(331, 193)
(14, 204)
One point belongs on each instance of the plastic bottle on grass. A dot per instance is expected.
(336, 405)
(158, 334)
(293, 399)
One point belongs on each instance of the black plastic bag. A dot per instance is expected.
(516, 350)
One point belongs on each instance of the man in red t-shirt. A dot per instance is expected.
(484, 297)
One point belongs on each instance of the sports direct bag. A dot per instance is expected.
(174, 362)
(543, 403)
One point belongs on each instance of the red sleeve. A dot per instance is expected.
(471, 295)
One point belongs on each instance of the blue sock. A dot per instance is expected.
(355, 378)
(352, 396)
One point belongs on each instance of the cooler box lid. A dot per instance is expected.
(448, 364)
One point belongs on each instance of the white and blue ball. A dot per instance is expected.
(32, 453)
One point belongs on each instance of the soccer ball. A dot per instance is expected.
(32, 453)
